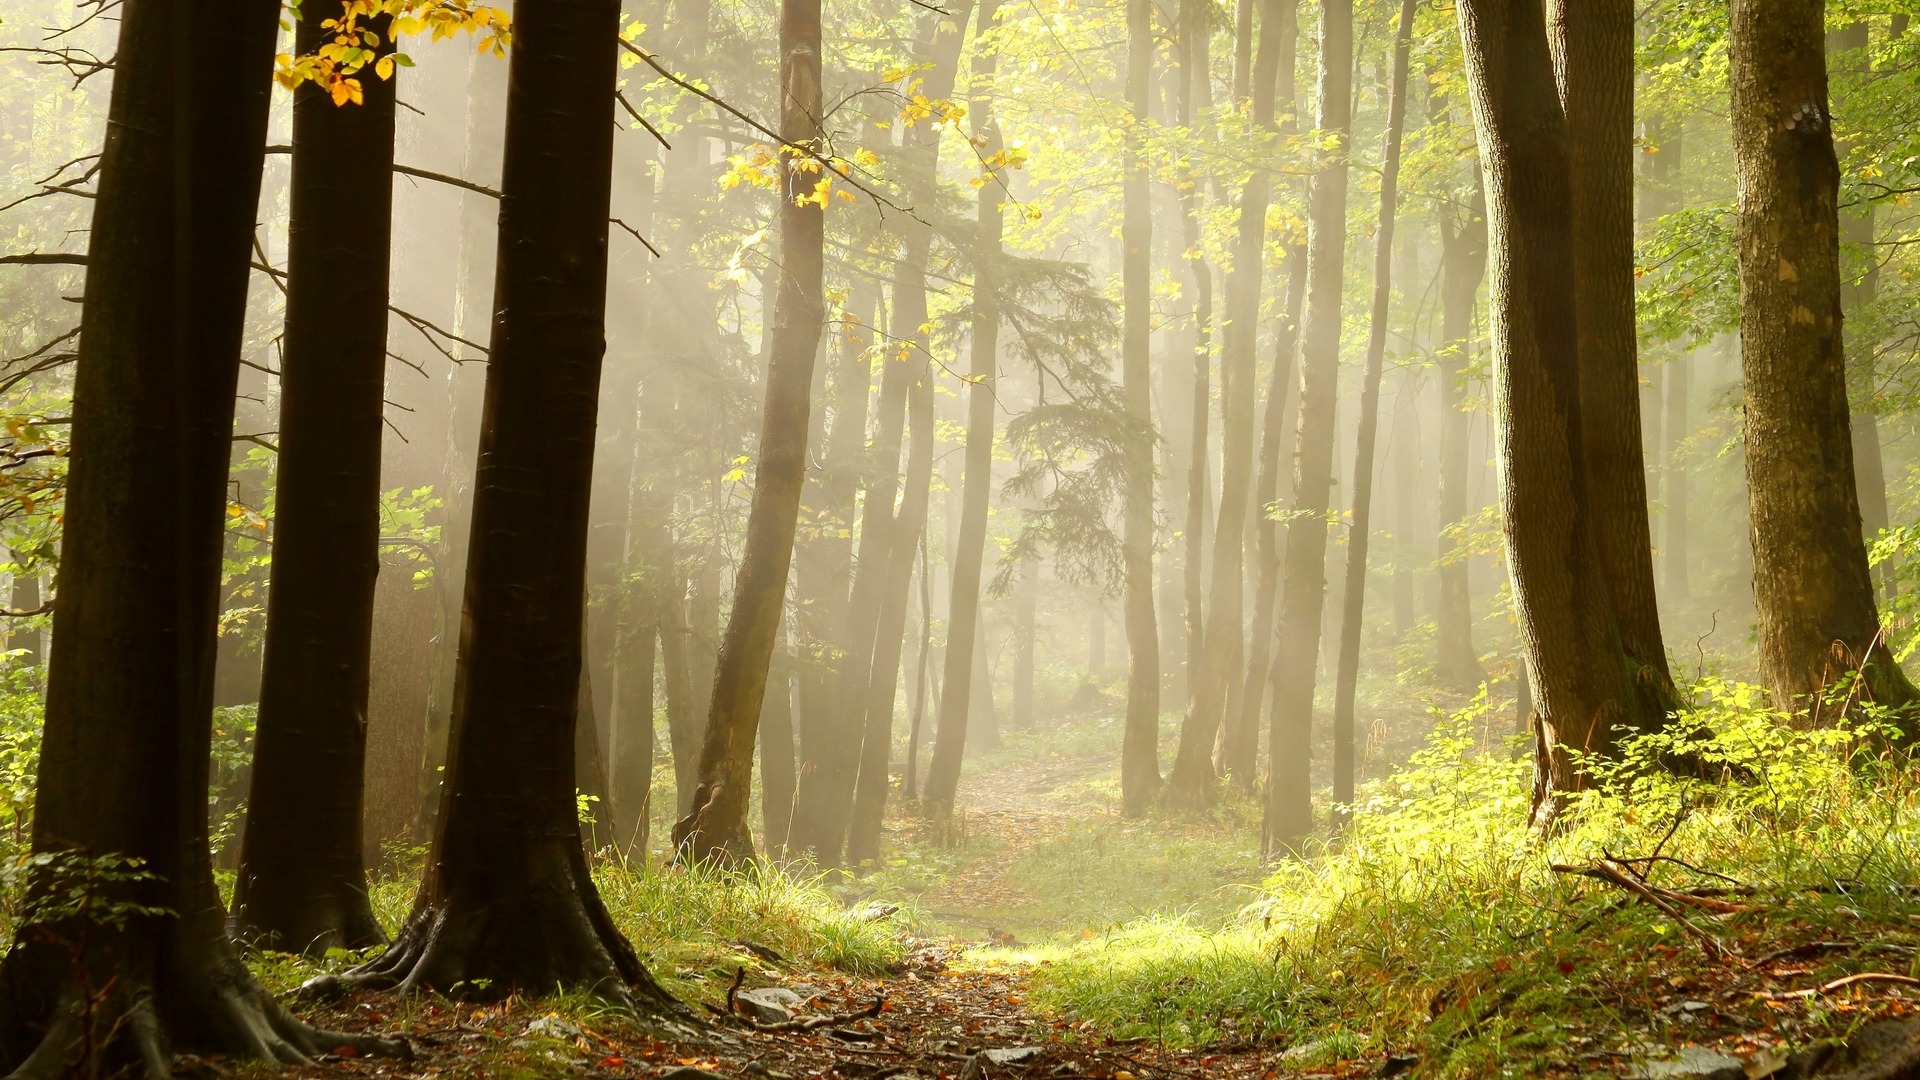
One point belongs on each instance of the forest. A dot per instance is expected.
(973, 539)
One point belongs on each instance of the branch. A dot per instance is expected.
(37, 258)
(43, 609)
(635, 233)
(635, 113)
(418, 173)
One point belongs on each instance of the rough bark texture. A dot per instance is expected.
(1581, 685)
(1811, 586)
(1140, 745)
(123, 772)
(507, 903)
(963, 605)
(1215, 685)
(1592, 42)
(718, 828)
(1463, 240)
(302, 885)
(1347, 675)
(1289, 810)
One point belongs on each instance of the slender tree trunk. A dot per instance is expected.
(1812, 589)
(507, 897)
(302, 885)
(1289, 810)
(1582, 688)
(963, 607)
(909, 783)
(1860, 282)
(24, 635)
(1195, 96)
(1140, 745)
(630, 760)
(717, 829)
(1592, 42)
(1359, 534)
(123, 772)
(1463, 242)
(777, 776)
(1190, 785)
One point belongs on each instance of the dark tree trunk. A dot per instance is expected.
(1593, 52)
(963, 606)
(1140, 745)
(507, 903)
(302, 884)
(1289, 809)
(1811, 585)
(1463, 243)
(123, 772)
(717, 829)
(1359, 533)
(1190, 784)
(1582, 688)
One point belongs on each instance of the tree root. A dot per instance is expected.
(811, 1023)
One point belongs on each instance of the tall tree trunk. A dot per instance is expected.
(1359, 534)
(1660, 197)
(24, 635)
(1190, 784)
(1463, 245)
(909, 783)
(1195, 97)
(1860, 282)
(776, 751)
(123, 771)
(1592, 42)
(1140, 745)
(302, 884)
(507, 897)
(1289, 809)
(630, 756)
(717, 829)
(1581, 685)
(1811, 585)
(963, 606)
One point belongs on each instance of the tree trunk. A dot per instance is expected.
(1360, 532)
(1860, 282)
(24, 634)
(1289, 810)
(1812, 590)
(1659, 197)
(776, 751)
(909, 785)
(1195, 96)
(1592, 42)
(718, 828)
(1581, 685)
(302, 885)
(507, 903)
(1140, 745)
(1190, 784)
(1463, 244)
(399, 679)
(963, 608)
(630, 754)
(120, 822)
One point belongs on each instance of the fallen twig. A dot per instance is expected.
(1845, 981)
(1613, 873)
(811, 1023)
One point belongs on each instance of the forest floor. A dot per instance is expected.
(1042, 864)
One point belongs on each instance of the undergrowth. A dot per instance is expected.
(1438, 922)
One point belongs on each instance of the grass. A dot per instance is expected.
(1438, 924)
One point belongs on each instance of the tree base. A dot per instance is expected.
(1190, 789)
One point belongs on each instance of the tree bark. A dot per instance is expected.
(718, 828)
(963, 606)
(302, 884)
(120, 820)
(507, 903)
(1359, 533)
(1812, 590)
(1140, 743)
(1592, 43)
(1582, 688)
(909, 785)
(1289, 809)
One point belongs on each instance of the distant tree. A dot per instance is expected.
(507, 903)
(301, 884)
(121, 960)
(717, 828)
(1463, 266)
(1289, 811)
(1811, 586)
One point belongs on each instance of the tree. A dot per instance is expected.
(1581, 686)
(963, 605)
(507, 903)
(1140, 746)
(302, 885)
(717, 829)
(122, 958)
(1463, 265)
(1360, 532)
(1812, 590)
(1194, 99)
(1289, 811)
(1592, 42)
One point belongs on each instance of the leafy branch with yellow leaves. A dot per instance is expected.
(336, 66)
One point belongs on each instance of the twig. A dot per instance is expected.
(635, 233)
(50, 258)
(41, 610)
(1845, 981)
(1613, 874)
(417, 173)
(641, 120)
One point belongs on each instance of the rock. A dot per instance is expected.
(1690, 1063)
(1011, 1055)
(688, 1072)
(768, 1004)
(1306, 1051)
(1888, 1050)
(1397, 1064)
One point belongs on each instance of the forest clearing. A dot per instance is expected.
(959, 539)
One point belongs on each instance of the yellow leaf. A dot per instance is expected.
(384, 68)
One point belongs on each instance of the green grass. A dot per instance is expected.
(1439, 924)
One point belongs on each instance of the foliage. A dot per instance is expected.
(336, 65)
